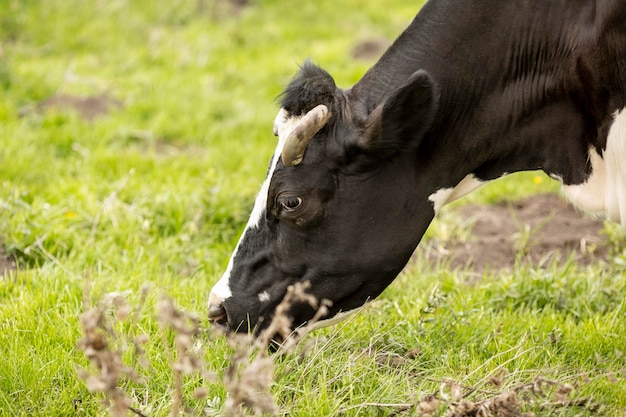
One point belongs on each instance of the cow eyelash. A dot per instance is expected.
(291, 203)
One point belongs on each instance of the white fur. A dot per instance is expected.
(264, 297)
(444, 196)
(282, 127)
(221, 289)
(604, 192)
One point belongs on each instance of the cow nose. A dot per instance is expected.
(217, 313)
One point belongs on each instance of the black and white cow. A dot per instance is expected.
(471, 91)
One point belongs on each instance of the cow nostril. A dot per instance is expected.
(217, 315)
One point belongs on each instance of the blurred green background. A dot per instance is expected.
(134, 135)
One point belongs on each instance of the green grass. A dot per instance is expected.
(157, 191)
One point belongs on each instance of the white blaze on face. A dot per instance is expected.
(604, 192)
(282, 128)
(444, 196)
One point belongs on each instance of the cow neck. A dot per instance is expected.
(487, 100)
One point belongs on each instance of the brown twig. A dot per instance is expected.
(137, 412)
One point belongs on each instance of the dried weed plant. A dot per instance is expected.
(546, 396)
(188, 356)
(453, 400)
(104, 347)
(248, 378)
(540, 397)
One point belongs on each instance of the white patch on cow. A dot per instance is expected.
(282, 128)
(444, 196)
(264, 297)
(221, 289)
(556, 177)
(589, 196)
(604, 192)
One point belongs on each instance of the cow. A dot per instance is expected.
(471, 91)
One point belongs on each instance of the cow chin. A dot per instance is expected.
(276, 341)
(305, 318)
(306, 312)
(295, 326)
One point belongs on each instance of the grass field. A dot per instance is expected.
(149, 182)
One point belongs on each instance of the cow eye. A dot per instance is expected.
(291, 203)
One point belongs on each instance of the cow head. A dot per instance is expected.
(343, 206)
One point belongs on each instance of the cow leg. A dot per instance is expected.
(604, 192)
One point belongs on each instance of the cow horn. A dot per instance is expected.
(301, 135)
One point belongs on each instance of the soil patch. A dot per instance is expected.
(540, 229)
(87, 107)
(7, 263)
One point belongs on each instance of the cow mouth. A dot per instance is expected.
(336, 311)
(219, 318)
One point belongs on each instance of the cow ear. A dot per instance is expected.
(403, 119)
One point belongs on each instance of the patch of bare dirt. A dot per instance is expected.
(7, 263)
(88, 107)
(541, 229)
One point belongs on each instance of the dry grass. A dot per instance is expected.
(248, 378)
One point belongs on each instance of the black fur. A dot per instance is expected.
(310, 87)
(472, 87)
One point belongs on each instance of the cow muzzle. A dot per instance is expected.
(217, 313)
